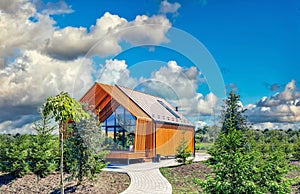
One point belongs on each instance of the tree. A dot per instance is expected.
(14, 154)
(237, 163)
(63, 109)
(85, 149)
(183, 152)
(44, 148)
(232, 116)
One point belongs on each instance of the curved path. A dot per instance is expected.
(146, 177)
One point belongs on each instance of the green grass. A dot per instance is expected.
(202, 147)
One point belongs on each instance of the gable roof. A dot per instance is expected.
(157, 108)
(101, 95)
(137, 103)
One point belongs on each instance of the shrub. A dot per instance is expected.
(14, 155)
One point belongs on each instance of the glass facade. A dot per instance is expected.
(119, 129)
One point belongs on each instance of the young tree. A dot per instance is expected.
(237, 163)
(44, 148)
(85, 149)
(63, 109)
(183, 152)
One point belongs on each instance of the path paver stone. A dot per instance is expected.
(145, 178)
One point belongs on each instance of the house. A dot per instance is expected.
(138, 125)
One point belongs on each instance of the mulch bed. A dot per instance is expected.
(108, 182)
(182, 177)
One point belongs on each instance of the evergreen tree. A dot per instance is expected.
(183, 152)
(85, 149)
(44, 148)
(237, 163)
(14, 154)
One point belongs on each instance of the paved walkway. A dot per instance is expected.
(146, 177)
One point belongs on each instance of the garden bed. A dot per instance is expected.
(182, 177)
(108, 182)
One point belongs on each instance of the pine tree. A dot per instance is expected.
(44, 148)
(237, 163)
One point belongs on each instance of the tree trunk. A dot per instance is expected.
(61, 159)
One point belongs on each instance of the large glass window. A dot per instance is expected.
(119, 129)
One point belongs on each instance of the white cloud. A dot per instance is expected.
(270, 125)
(146, 30)
(176, 84)
(39, 59)
(179, 85)
(54, 8)
(29, 79)
(166, 7)
(116, 72)
(282, 107)
(23, 27)
(104, 38)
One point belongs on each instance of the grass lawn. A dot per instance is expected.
(203, 147)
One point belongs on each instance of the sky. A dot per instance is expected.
(190, 52)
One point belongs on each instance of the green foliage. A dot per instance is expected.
(207, 134)
(296, 153)
(183, 152)
(14, 154)
(240, 162)
(85, 150)
(232, 117)
(44, 149)
(63, 108)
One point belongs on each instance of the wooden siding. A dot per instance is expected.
(122, 99)
(168, 138)
(142, 130)
(107, 98)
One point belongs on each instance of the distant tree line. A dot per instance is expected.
(288, 139)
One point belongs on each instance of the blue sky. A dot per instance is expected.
(255, 43)
(68, 45)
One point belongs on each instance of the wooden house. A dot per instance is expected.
(138, 125)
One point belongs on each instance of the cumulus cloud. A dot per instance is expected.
(39, 59)
(104, 38)
(176, 84)
(116, 72)
(23, 27)
(30, 78)
(166, 7)
(282, 107)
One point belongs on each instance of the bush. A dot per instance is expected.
(296, 153)
(14, 155)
